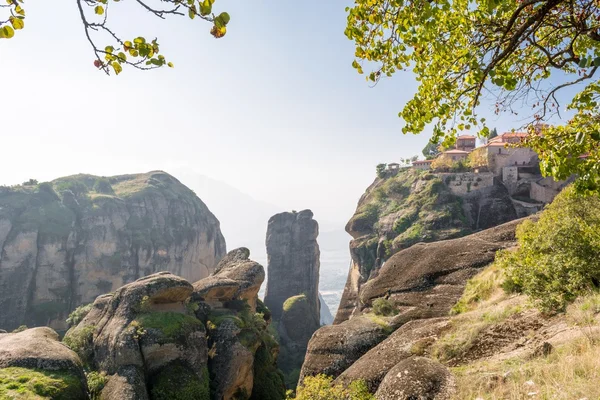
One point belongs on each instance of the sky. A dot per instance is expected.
(273, 109)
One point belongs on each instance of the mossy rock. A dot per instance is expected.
(25, 383)
(172, 326)
(176, 382)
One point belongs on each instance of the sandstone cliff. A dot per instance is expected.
(416, 206)
(64, 242)
(292, 292)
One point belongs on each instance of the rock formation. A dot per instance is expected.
(33, 358)
(63, 243)
(292, 292)
(421, 284)
(161, 337)
(411, 207)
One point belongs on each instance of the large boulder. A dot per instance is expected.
(236, 277)
(417, 378)
(413, 338)
(36, 353)
(334, 348)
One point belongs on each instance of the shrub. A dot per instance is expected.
(320, 388)
(268, 380)
(177, 382)
(20, 329)
(80, 341)
(102, 185)
(380, 170)
(384, 307)
(96, 382)
(79, 314)
(558, 257)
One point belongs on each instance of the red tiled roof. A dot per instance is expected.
(465, 137)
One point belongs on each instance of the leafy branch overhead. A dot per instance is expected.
(466, 53)
(116, 51)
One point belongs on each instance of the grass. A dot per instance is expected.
(293, 301)
(172, 325)
(479, 288)
(570, 372)
(24, 383)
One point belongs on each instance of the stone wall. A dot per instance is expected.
(462, 183)
(544, 190)
(499, 157)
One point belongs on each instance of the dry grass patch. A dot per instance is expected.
(570, 372)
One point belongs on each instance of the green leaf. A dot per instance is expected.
(122, 56)
(17, 23)
(597, 62)
(223, 19)
(6, 32)
(170, 65)
(192, 12)
(205, 7)
(109, 49)
(117, 67)
(582, 62)
(139, 40)
(99, 10)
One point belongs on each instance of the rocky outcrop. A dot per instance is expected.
(420, 284)
(160, 336)
(413, 338)
(293, 260)
(35, 353)
(292, 292)
(63, 243)
(410, 207)
(417, 378)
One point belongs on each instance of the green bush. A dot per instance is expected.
(102, 185)
(96, 382)
(558, 257)
(80, 341)
(384, 307)
(177, 382)
(79, 314)
(320, 388)
(380, 170)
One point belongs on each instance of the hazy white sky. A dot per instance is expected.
(274, 108)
